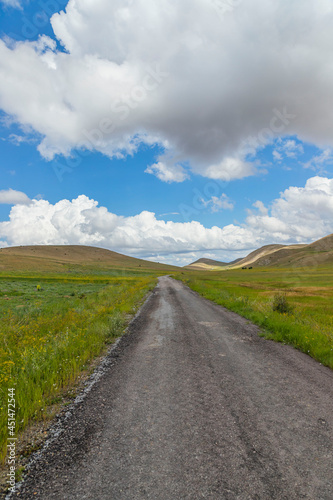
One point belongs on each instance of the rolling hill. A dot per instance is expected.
(70, 258)
(209, 264)
(265, 254)
(319, 253)
(206, 264)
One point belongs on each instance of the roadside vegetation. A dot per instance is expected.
(293, 306)
(51, 328)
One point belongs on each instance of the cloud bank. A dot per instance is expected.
(300, 214)
(207, 84)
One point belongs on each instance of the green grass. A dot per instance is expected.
(51, 328)
(303, 319)
(49, 336)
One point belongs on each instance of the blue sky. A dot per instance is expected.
(201, 172)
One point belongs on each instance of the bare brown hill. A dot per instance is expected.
(205, 263)
(64, 258)
(209, 264)
(319, 253)
(323, 245)
(265, 254)
(256, 254)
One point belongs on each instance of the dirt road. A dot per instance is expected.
(195, 405)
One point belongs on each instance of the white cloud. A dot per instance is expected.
(261, 207)
(229, 169)
(300, 214)
(277, 156)
(320, 161)
(176, 74)
(81, 221)
(292, 149)
(12, 197)
(167, 173)
(287, 149)
(17, 140)
(218, 203)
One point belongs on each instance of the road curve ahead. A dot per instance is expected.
(195, 405)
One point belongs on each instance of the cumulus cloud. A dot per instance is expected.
(175, 74)
(12, 197)
(82, 221)
(229, 169)
(300, 214)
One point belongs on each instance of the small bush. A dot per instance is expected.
(116, 323)
(281, 304)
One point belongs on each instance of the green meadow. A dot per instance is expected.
(53, 325)
(52, 328)
(305, 319)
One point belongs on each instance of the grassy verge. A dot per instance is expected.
(305, 323)
(51, 329)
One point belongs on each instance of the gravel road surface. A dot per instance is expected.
(195, 405)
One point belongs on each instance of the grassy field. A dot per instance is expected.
(60, 307)
(307, 320)
(52, 327)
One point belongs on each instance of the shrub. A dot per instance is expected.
(281, 304)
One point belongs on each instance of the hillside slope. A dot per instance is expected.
(265, 254)
(319, 253)
(68, 258)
